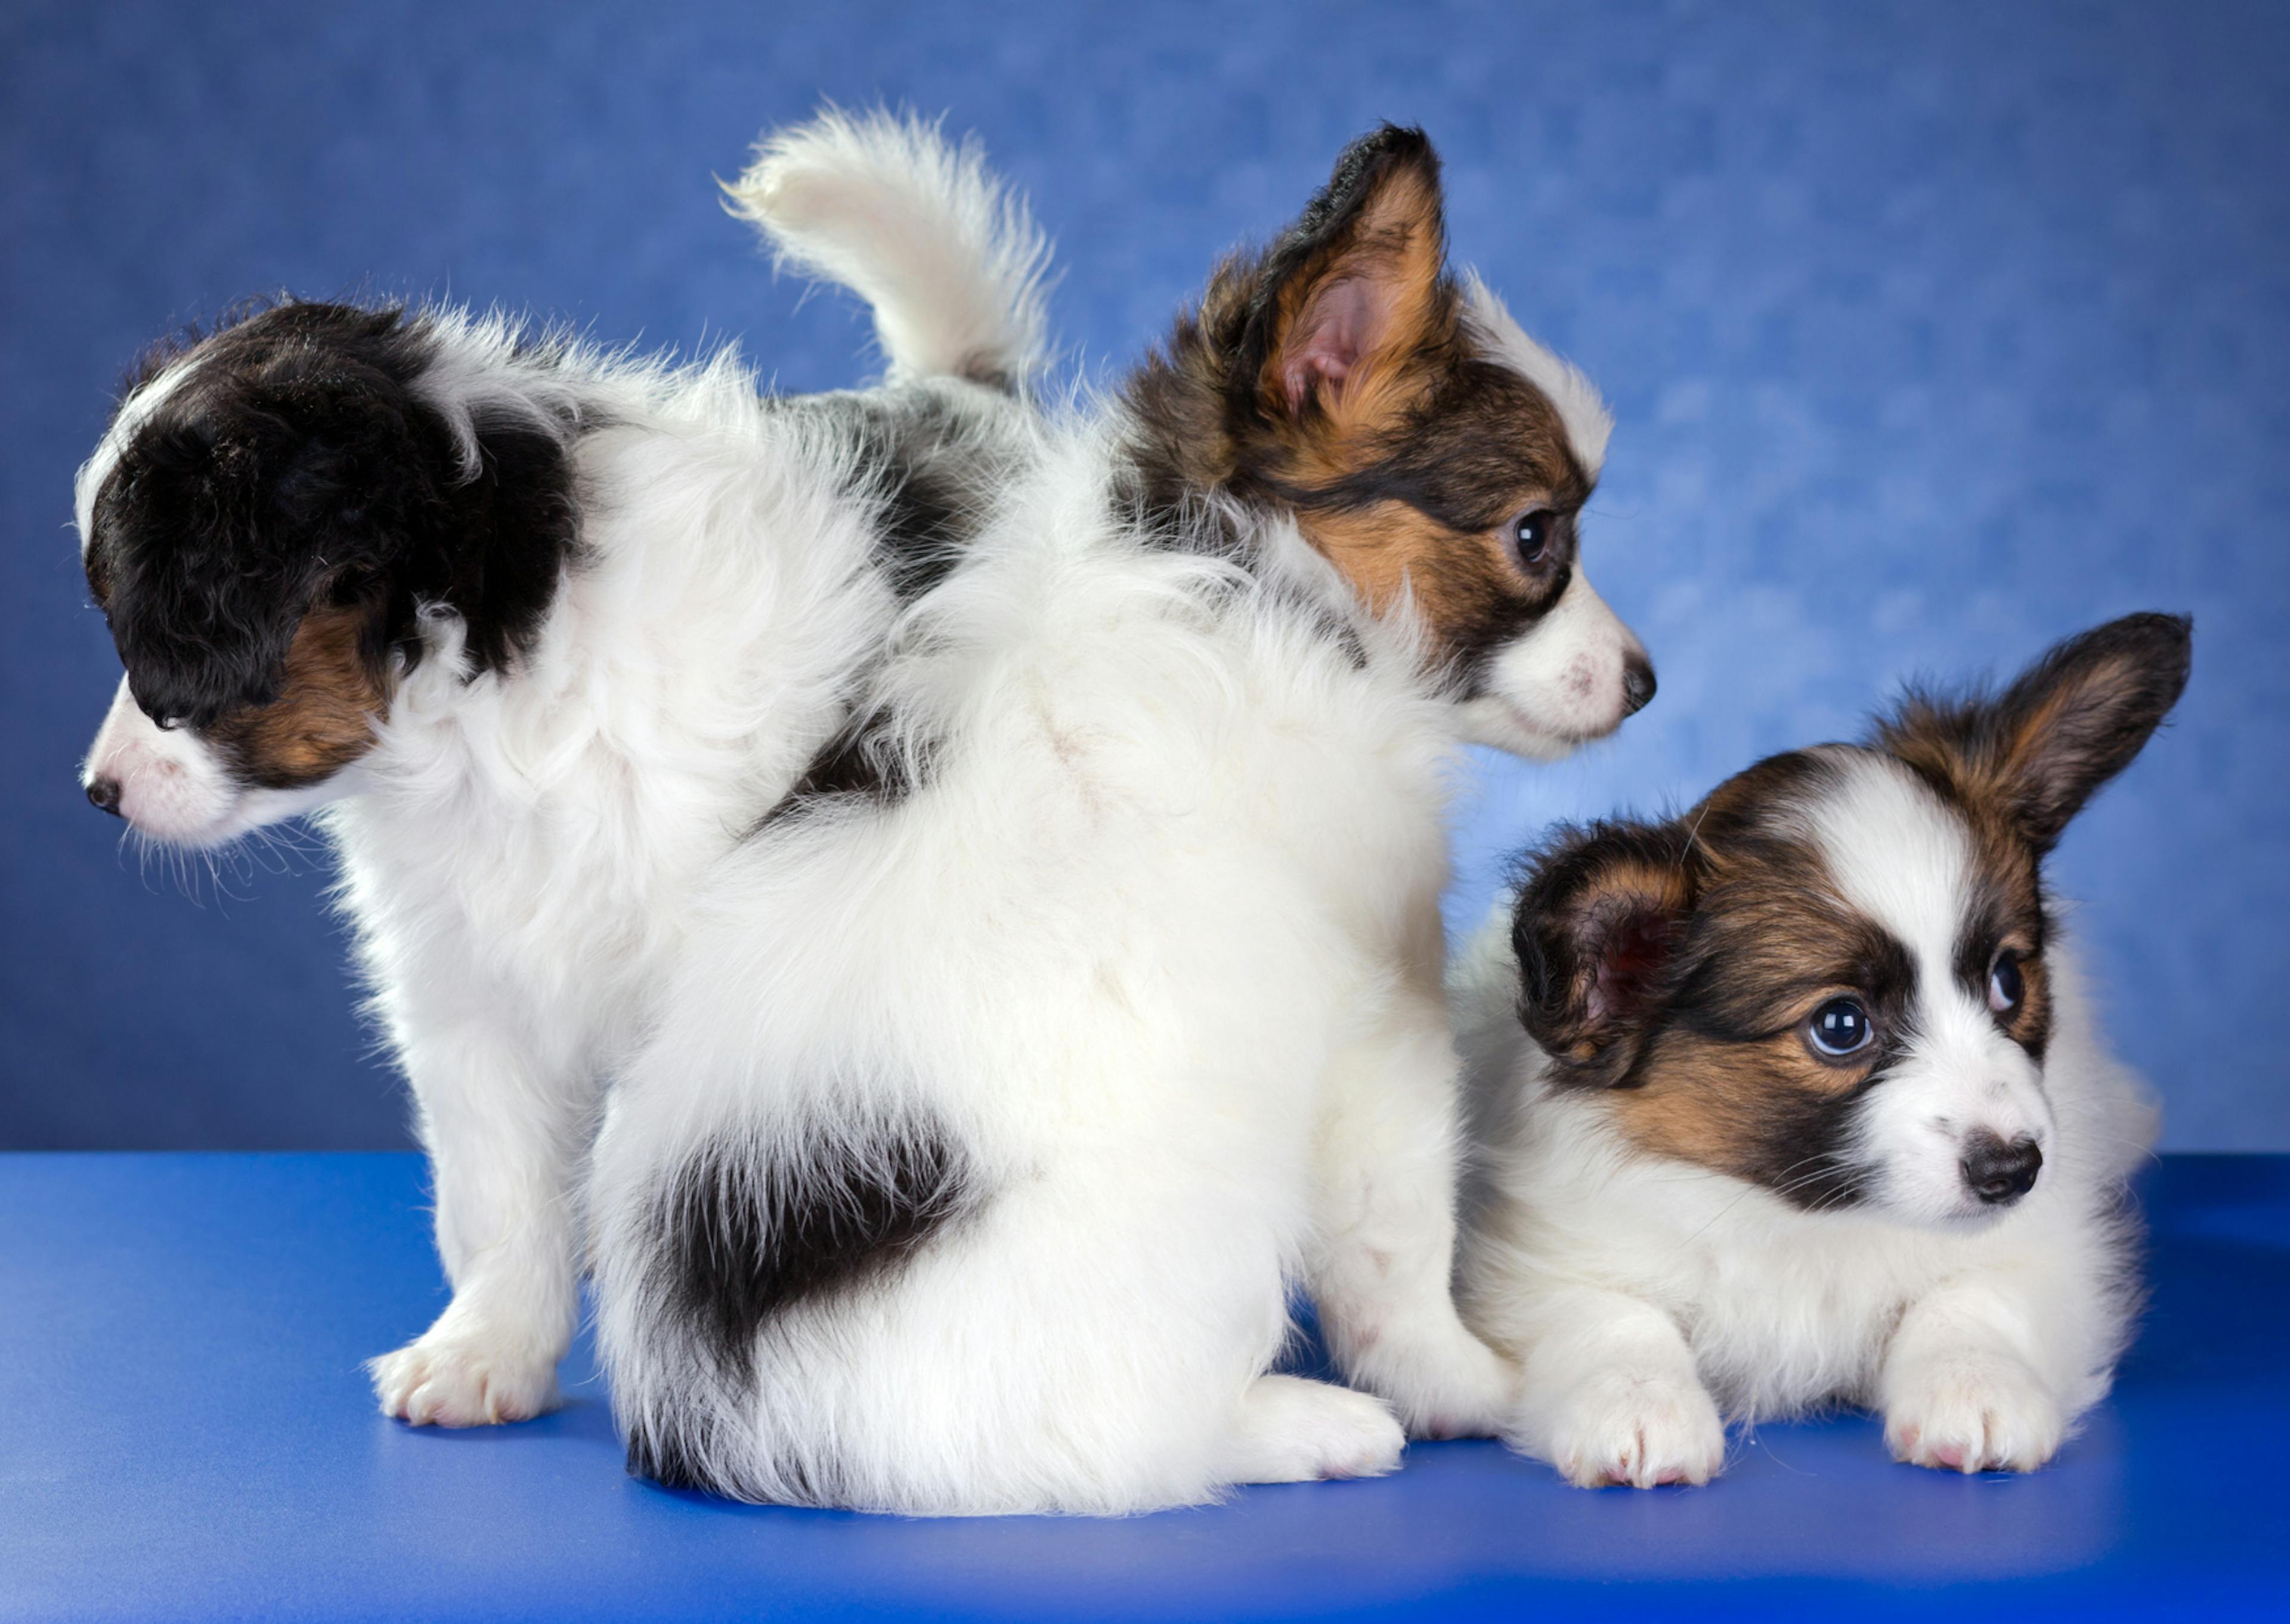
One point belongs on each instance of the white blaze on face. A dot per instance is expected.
(88, 483)
(173, 786)
(1561, 683)
(1582, 412)
(1905, 860)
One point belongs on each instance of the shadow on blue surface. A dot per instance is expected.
(191, 1437)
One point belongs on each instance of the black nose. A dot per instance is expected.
(1637, 682)
(1999, 1173)
(103, 795)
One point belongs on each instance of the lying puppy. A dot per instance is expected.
(1815, 1110)
(539, 633)
(1022, 1059)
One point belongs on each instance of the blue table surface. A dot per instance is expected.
(185, 1433)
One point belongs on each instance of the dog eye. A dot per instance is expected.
(1840, 1027)
(2005, 986)
(1531, 535)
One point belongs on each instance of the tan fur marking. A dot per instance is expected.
(1711, 1103)
(1387, 546)
(330, 697)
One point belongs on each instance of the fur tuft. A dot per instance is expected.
(949, 258)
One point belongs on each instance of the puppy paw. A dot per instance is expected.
(457, 1380)
(1975, 1413)
(1291, 1430)
(1637, 1430)
(1460, 1390)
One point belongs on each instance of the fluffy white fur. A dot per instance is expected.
(520, 852)
(1154, 953)
(1652, 1300)
(922, 231)
(1185, 1026)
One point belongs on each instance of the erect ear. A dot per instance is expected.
(1356, 288)
(2071, 722)
(1598, 923)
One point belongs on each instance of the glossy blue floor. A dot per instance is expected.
(189, 1435)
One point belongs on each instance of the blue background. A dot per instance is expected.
(1935, 333)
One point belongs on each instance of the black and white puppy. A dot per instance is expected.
(1797, 1099)
(539, 634)
(1009, 1081)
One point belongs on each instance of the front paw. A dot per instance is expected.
(456, 1380)
(1639, 1430)
(1976, 1412)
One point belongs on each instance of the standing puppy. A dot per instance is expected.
(1809, 1105)
(539, 633)
(1025, 1057)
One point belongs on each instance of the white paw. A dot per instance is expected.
(1972, 1412)
(1639, 1430)
(1293, 1430)
(457, 1380)
(1466, 1392)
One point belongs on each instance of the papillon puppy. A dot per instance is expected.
(1797, 1100)
(1087, 993)
(537, 634)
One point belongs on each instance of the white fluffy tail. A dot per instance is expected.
(949, 258)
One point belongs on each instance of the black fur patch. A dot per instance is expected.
(934, 461)
(1805, 1156)
(666, 1456)
(296, 469)
(750, 1232)
(860, 762)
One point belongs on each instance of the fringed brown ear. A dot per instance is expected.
(1597, 927)
(1356, 290)
(2071, 722)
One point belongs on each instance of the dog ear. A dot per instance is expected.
(226, 525)
(1356, 289)
(1600, 922)
(2070, 723)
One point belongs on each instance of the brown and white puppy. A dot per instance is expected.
(1422, 443)
(1797, 1099)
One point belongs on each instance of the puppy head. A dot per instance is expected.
(270, 509)
(1828, 978)
(1424, 445)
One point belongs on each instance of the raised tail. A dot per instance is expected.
(948, 256)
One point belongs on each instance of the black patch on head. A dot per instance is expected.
(1994, 915)
(1805, 1153)
(296, 468)
(1737, 985)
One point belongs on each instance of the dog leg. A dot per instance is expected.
(505, 1141)
(1960, 1388)
(1291, 1430)
(1611, 1396)
(1382, 1265)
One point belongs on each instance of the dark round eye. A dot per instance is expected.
(1840, 1027)
(2005, 985)
(1531, 535)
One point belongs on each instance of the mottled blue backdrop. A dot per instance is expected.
(1934, 331)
